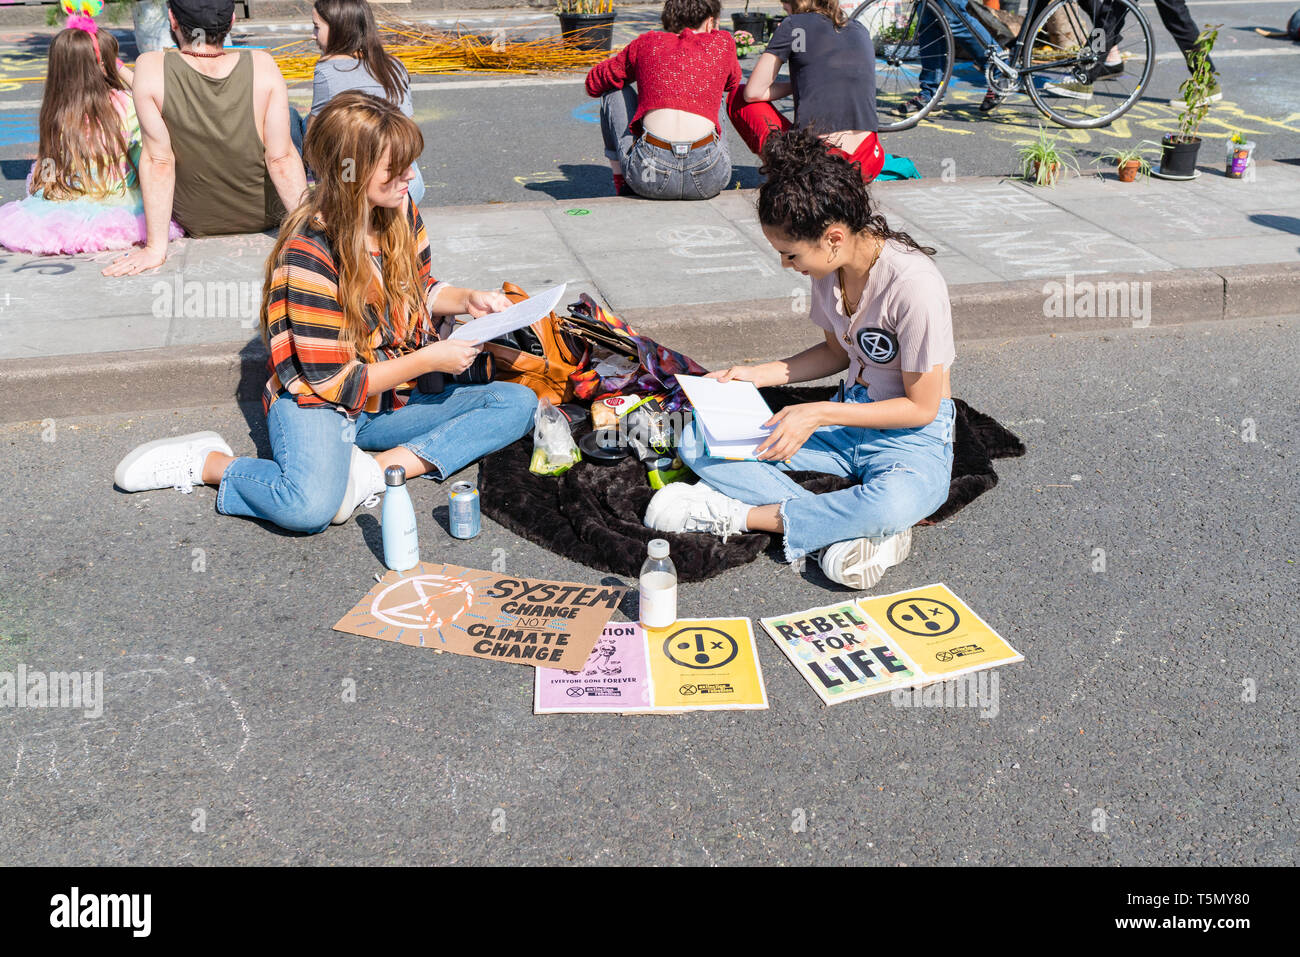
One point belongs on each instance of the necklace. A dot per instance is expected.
(206, 56)
(844, 294)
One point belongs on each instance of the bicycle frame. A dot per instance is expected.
(993, 50)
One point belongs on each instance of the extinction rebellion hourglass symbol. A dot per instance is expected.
(922, 616)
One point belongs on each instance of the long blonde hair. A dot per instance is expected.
(344, 146)
(827, 8)
(82, 146)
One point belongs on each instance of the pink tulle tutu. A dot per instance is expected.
(84, 225)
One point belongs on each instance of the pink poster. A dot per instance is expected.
(616, 677)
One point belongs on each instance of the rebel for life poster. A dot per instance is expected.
(467, 611)
(841, 652)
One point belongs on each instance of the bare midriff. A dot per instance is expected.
(677, 126)
(847, 140)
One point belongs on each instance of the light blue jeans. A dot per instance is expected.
(303, 486)
(654, 172)
(904, 476)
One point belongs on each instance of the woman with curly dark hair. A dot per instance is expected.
(883, 308)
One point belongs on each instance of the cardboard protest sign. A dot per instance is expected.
(841, 652)
(937, 631)
(486, 615)
(703, 664)
(616, 678)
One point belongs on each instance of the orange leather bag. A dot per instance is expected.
(546, 356)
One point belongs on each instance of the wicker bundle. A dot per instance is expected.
(423, 50)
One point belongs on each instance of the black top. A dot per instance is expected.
(833, 72)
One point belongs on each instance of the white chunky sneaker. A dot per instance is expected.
(365, 483)
(168, 463)
(695, 508)
(860, 562)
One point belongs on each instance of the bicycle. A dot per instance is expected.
(1059, 57)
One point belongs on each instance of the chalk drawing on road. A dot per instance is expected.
(177, 708)
(713, 242)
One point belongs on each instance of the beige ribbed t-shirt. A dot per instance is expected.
(903, 322)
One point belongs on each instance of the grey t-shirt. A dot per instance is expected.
(903, 322)
(833, 71)
(333, 77)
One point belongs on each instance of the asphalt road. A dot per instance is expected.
(225, 737)
(494, 139)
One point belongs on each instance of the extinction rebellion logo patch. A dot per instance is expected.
(878, 345)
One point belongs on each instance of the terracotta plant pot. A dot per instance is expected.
(1129, 171)
(1053, 174)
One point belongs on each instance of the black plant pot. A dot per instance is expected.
(773, 22)
(1178, 158)
(754, 24)
(588, 31)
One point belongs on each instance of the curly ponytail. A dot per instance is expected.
(808, 188)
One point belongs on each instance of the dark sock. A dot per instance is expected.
(620, 185)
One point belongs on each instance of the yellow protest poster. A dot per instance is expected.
(937, 630)
(705, 664)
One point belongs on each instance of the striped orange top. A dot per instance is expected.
(309, 359)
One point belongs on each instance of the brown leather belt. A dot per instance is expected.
(665, 145)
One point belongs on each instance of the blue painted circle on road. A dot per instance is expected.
(587, 113)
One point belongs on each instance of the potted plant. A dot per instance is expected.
(745, 43)
(773, 21)
(587, 24)
(1043, 161)
(1130, 162)
(752, 23)
(1240, 150)
(1178, 160)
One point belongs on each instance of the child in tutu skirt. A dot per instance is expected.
(84, 195)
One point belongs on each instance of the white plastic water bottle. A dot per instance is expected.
(397, 522)
(658, 587)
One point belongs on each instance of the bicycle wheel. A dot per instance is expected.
(909, 35)
(1065, 64)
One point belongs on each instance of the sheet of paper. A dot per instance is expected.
(731, 415)
(938, 631)
(487, 328)
(841, 652)
(705, 664)
(616, 679)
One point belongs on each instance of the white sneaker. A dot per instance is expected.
(1071, 89)
(695, 508)
(860, 562)
(365, 483)
(168, 463)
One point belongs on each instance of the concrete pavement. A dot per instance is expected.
(698, 275)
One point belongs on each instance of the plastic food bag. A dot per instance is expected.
(554, 451)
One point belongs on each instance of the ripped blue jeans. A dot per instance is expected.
(904, 476)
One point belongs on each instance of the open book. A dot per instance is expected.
(730, 414)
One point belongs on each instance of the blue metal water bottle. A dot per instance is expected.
(401, 545)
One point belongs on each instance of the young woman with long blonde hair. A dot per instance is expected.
(347, 312)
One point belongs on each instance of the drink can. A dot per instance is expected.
(463, 508)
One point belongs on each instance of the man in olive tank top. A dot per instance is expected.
(218, 153)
